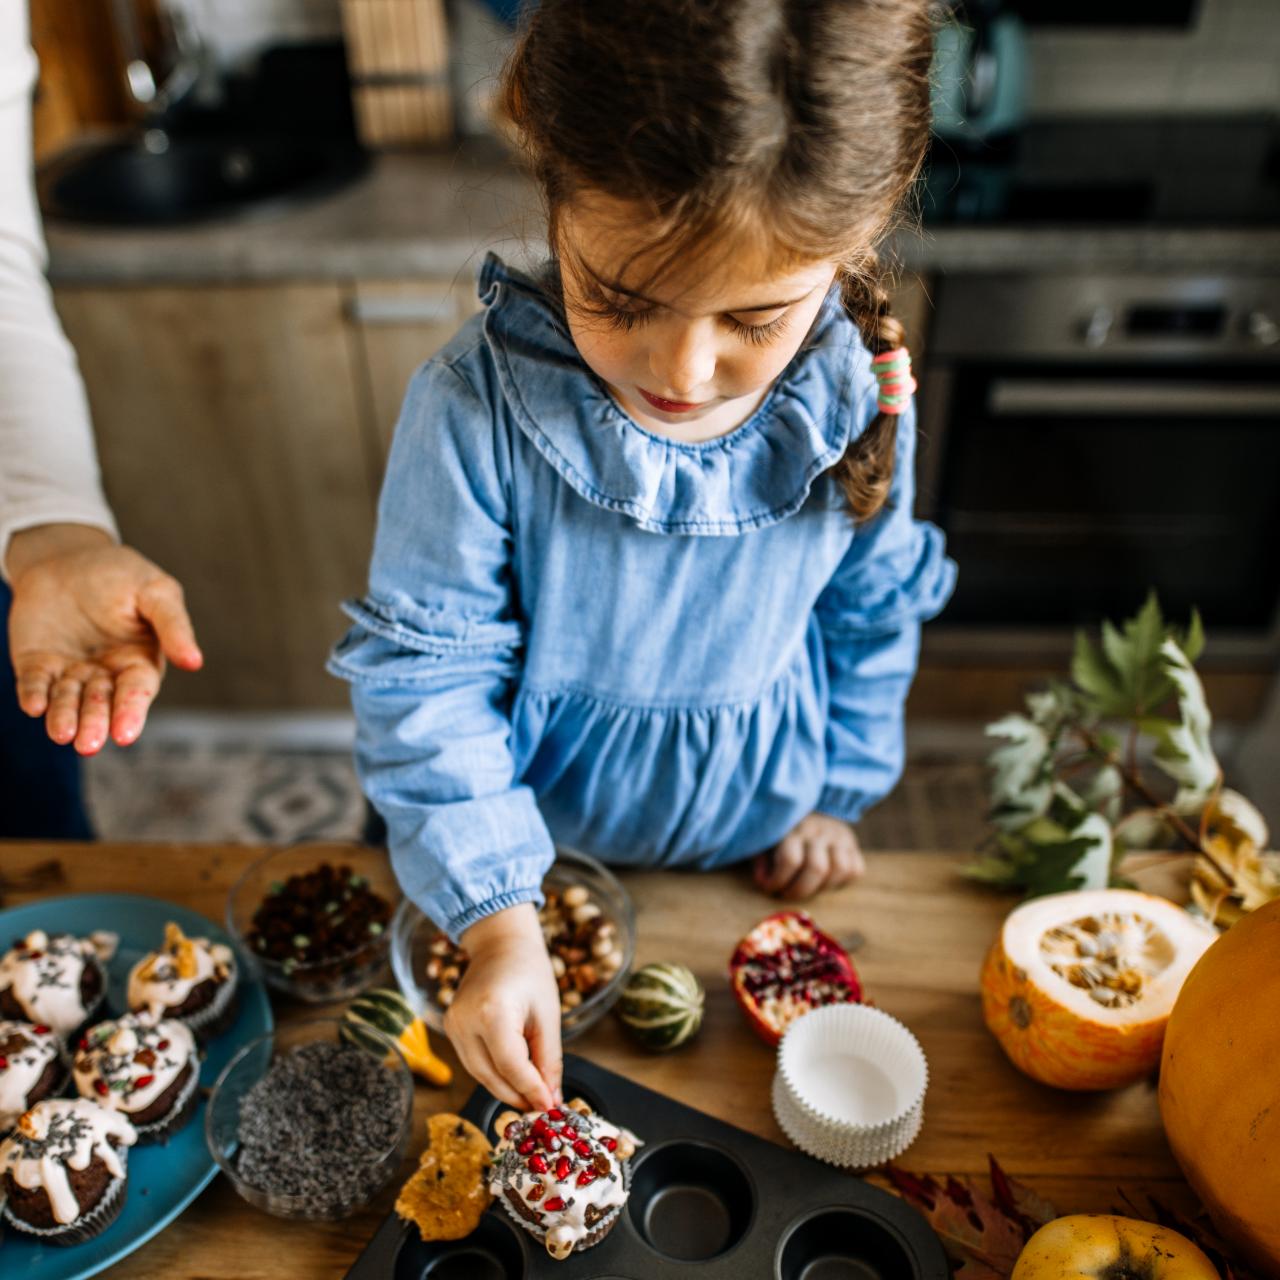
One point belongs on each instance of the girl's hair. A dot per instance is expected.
(804, 120)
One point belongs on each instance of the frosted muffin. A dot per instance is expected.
(562, 1174)
(31, 1068)
(147, 1070)
(190, 980)
(63, 1170)
(54, 979)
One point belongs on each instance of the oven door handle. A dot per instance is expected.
(1136, 398)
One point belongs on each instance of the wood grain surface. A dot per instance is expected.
(918, 932)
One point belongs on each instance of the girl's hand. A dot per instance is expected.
(818, 853)
(505, 1020)
(90, 626)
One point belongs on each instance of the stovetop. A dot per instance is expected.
(1193, 172)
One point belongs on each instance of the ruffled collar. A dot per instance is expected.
(756, 475)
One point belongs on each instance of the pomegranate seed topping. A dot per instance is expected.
(526, 1147)
(100, 1087)
(41, 1030)
(611, 1143)
(555, 1204)
(4, 1063)
(587, 1177)
(163, 1045)
(564, 1167)
(568, 1131)
(583, 1148)
(142, 1081)
(535, 1191)
(537, 1164)
(84, 1042)
(555, 1115)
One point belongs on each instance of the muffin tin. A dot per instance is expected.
(707, 1199)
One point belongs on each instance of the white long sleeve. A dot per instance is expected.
(48, 465)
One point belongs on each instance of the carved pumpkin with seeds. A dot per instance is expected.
(1078, 987)
(1102, 1246)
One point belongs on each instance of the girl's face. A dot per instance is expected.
(694, 354)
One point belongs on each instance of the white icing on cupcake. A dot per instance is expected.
(26, 1050)
(42, 972)
(162, 980)
(64, 1134)
(562, 1163)
(127, 1063)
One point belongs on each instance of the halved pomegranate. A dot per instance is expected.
(786, 966)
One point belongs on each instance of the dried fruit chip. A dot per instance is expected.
(448, 1194)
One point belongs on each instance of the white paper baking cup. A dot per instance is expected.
(850, 1085)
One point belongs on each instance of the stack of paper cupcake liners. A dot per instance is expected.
(827, 1115)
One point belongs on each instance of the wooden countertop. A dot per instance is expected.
(921, 933)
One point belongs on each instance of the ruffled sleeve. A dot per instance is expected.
(894, 576)
(433, 658)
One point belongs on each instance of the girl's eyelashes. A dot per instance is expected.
(759, 334)
(628, 318)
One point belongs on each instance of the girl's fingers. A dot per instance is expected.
(784, 864)
(162, 604)
(509, 1052)
(547, 1055)
(135, 691)
(479, 1066)
(95, 713)
(813, 874)
(63, 715)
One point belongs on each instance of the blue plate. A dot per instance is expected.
(164, 1178)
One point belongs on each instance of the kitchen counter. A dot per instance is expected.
(432, 216)
(920, 934)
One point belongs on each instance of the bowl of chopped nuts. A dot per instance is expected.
(310, 924)
(590, 929)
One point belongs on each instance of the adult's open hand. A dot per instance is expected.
(90, 627)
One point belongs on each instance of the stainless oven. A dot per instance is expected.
(1083, 438)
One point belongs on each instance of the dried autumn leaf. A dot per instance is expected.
(983, 1229)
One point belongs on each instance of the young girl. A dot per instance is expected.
(646, 579)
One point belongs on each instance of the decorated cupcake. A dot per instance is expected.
(31, 1068)
(62, 1170)
(191, 980)
(54, 980)
(562, 1174)
(144, 1068)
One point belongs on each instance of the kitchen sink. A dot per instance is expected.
(155, 178)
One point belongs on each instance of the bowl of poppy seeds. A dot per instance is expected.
(307, 1126)
(317, 930)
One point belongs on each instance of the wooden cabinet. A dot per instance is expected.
(400, 324)
(235, 451)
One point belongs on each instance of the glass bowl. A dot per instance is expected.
(412, 936)
(251, 1064)
(336, 977)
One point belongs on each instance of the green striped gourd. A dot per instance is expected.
(661, 1006)
(389, 1012)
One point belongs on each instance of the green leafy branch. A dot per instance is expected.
(1068, 794)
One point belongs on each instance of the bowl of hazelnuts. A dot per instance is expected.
(589, 926)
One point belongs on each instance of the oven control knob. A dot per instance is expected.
(1262, 329)
(1095, 328)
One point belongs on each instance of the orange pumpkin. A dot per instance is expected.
(1100, 1246)
(1220, 1084)
(1077, 987)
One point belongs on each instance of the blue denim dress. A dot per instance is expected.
(577, 630)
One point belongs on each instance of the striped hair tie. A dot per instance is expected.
(894, 383)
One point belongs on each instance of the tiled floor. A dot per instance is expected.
(174, 790)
